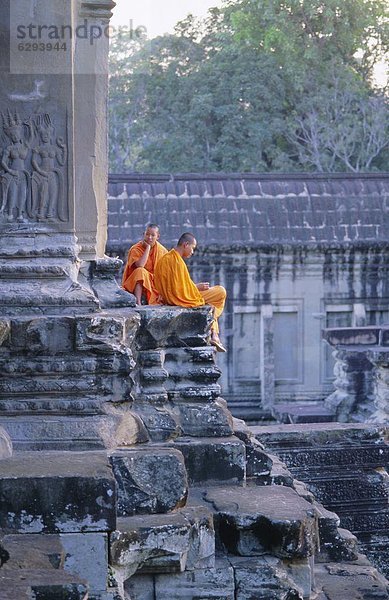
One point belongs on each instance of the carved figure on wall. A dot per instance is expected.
(47, 190)
(15, 179)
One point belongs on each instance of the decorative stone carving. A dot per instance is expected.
(47, 186)
(32, 177)
(15, 178)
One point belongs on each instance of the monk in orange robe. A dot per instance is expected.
(173, 282)
(138, 276)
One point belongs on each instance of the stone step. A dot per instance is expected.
(302, 412)
(362, 521)
(68, 492)
(342, 490)
(323, 445)
(215, 459)
(345, 466)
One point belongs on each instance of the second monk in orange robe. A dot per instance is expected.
(173, 282)
(138, 276)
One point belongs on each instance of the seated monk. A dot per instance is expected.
(173, 282)
(138, 276)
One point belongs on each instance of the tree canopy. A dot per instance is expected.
(260, 85)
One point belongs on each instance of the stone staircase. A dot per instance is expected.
(345, 467)
(189, 519)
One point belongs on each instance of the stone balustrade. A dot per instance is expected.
(361, 373)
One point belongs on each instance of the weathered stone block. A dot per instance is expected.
(204, 584)
(67, 493)
(160, 422)
(43, 335)
(53, 432)
(204, 420)
(149, 480)
(261, 520)
(263, 578)
(221, 459)
(173, 326)
(106, 333)
(149, 544)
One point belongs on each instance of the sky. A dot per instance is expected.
(158, 16)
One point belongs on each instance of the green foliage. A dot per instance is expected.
(259, 86)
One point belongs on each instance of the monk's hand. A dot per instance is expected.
(204, 285)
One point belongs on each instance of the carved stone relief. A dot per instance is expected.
(32, 171)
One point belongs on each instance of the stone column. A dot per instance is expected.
(266, 357)
(90, 132)
(65, 365)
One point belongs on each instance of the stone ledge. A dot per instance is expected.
(67, 493)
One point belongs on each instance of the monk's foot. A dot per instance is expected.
(215, 341)
(138, 301)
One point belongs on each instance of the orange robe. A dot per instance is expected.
(173, 282)
(144, 275)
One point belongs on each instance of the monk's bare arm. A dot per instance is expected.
(143, 259)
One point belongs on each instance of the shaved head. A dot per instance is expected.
(186, 238)
(152, 226)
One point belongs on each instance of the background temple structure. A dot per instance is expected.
(297, 253)
(123, 474)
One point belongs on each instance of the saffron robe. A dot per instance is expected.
(174, 284)
(144, 275)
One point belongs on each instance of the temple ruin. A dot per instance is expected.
(123, 473)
